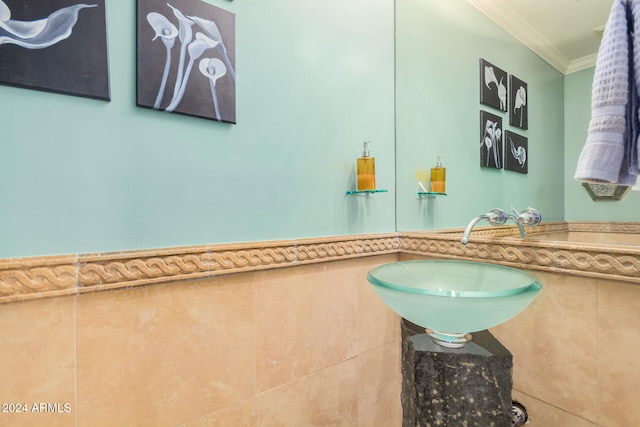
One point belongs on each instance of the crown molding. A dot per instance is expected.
(500, 12)
(583, 63)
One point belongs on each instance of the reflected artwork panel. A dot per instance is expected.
(493, 86)
(516, 152)
(490, 140)
(519, 108)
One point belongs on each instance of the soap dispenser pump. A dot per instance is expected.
(438, 177)
(366, 170)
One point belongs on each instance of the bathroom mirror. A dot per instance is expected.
(439, 46)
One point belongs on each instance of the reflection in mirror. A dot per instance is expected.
(438, 48)
(599, 192)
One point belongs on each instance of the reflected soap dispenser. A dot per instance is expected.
(438, 177)
(366, 170)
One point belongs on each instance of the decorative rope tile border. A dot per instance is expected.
(31, 278)
(605, 227)
(613, 262)
(42, 277)
(26, 278)
(134, 268)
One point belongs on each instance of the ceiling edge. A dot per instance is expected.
(523, 32)
(582, 63)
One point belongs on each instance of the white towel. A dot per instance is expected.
(603, 156)
(634, 96)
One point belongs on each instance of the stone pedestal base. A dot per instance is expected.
(470, 386)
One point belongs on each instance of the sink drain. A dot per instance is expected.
(518, 414)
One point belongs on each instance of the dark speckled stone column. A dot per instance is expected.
(447, 387)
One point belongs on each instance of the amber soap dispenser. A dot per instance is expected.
(366, 170)
(438, 178)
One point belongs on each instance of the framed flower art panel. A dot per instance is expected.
(493, 86)
(55, 46)
(490, 140)
(516, 152)
(186, 59)
(519, 109)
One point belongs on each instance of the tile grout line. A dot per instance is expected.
(254, 278)
(75, 355)
(598, 353)
(75, 339)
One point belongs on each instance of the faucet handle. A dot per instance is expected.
(497, 217)
(529, 216)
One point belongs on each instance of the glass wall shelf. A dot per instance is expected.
(366, 191)
(430, 194)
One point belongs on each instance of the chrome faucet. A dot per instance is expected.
(515, 217)
(493, 217)
(528, 217)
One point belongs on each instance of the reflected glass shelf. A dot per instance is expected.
(430, 194)
(366, 191)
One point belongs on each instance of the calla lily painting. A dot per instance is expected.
(490, 140)
(186, 59)
(493, 86)
(55, 45)
(516, 153)
(519, 113)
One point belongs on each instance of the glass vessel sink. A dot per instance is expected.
(450, 298)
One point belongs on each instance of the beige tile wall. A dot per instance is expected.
(542, 414)
(306, 345)
(618, 352)
(575, 352)
(309, 345)
(37, 362)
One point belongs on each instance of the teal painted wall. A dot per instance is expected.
(578, 204)
(79, 175)
(439, 45)
(315, 79)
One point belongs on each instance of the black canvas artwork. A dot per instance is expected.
(493, 86)
(519, 110)
(490, 140)
(186, 59)
(55, 46)
(516, 152)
